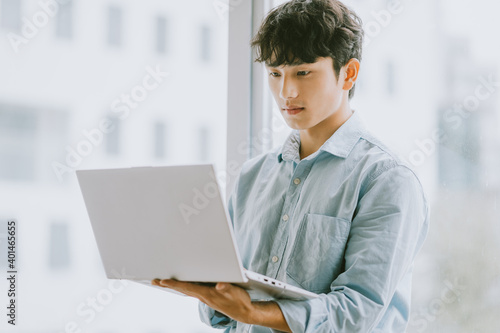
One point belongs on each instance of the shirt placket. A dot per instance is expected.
(287, 216)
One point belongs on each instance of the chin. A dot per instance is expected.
(298, 123)
(298, 128)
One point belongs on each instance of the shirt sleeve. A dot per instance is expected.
(214, 318)
(387, 230)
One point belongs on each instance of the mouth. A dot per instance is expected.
(292, 110)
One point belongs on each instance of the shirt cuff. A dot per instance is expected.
(213, 318)
(296, 313)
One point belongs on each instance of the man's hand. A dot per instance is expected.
(232, 301)
(226, 298)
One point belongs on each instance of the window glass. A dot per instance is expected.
(18, 135)
(64, 20)
(204, 143)
(59, 249)
(10, 14)
(428, 87)
(113, 138)
(160, 140)
(153, 101)
(115, 25)
(161, 34)
(205, 36)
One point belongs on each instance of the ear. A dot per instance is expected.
(350, 73)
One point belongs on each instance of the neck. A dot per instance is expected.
(313, 138)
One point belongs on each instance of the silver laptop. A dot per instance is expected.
(169, 222)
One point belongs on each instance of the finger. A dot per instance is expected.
(222, 287)
(174, 284)
(187, 288)
(230, 291)
(178, 286)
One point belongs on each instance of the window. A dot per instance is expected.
(61, 114)
(204, 143)
(115, 26)
(18, 129)
(64, 20)
(390, 75)
(447, 112)
(161, 34)
(10, 14)
(159, 140)
(112, 138)
(205, 43)
(87, 80)
(459, 165)
(59, 250)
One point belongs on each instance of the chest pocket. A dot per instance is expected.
(317, 255)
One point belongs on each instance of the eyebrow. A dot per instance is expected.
(294, 64)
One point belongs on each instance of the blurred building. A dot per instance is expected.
(92, 84)
(150, 77)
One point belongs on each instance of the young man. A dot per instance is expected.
(331, 211)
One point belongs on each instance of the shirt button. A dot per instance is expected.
(296, 181)
(285, 217)
(275, 259)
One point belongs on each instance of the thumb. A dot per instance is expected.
(221, 286)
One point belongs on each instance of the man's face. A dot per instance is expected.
(309, 93)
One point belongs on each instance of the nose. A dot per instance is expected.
(289, 88)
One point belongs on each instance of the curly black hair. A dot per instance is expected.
(301, 31)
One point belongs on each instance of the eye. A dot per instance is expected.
(274, 74)
(303, 72)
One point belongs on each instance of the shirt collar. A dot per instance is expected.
(339, 144)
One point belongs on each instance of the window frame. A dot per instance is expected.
(249, 106)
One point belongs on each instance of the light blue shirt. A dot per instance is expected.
(345, 222)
